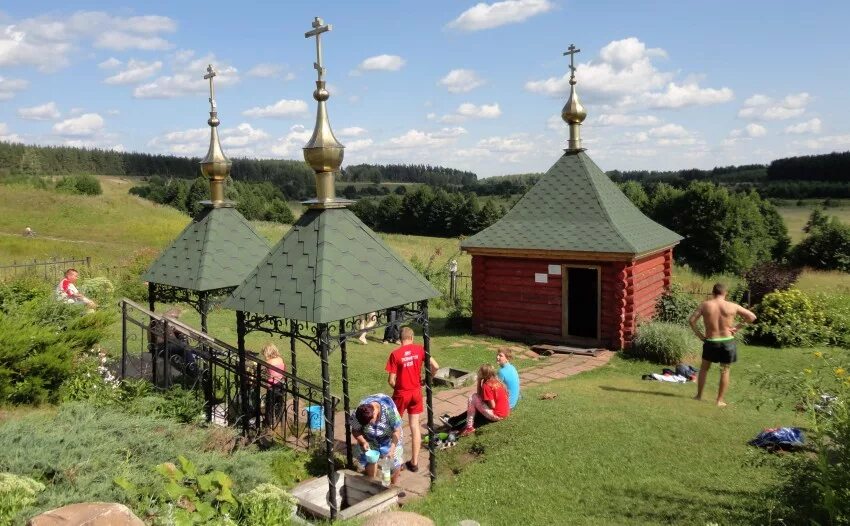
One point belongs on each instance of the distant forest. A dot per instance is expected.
(294, 178)
(815, 176)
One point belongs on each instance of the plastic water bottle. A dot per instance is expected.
(386, 471)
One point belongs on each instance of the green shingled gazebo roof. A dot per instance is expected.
(217, 250)
(575, 207)
(329, 267)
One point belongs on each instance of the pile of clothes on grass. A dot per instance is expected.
(779, 439)
(682, 374)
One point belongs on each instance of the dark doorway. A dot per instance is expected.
(582, 302)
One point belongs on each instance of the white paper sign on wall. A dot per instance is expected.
(540, 277)
(555, 270)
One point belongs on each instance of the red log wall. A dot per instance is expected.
(507, 302)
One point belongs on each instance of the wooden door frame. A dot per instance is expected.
(565, 295)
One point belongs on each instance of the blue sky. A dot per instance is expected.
(477, 86)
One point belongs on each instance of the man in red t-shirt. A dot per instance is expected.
(405, 368)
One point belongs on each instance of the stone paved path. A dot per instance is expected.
(453, 402)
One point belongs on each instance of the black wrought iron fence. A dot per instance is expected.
(51, 268)
(251, 394)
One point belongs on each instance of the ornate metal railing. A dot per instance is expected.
(169, 354)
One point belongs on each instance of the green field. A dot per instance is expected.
(796, 216)
(609, 449)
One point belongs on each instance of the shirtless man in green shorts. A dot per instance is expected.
(718, 316)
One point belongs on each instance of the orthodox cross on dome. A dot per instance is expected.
(319, 27)
(209, 76)
(571, 51)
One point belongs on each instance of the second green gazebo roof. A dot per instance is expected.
(575, 207)
(217, 250)
(329, 267)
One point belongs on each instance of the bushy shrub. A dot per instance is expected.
(267, 505)
(128, 281)
(675, 306)
(99, 289)
(78, 450)
(39, 339)
(663, 343)
(80, 184)
(791, 318)
(826, 248)
(16, 494)
(768, 277)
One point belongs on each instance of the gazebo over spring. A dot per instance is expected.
(574, 260)
(329, 271)
(217, 250)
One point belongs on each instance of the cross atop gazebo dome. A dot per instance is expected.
(573, 112)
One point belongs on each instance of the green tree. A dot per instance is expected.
(636, 194)
(817, 219)
(279, 212)
(198, 191)
(723, 232)
(389, 214)
(489, 214)
(826, 248)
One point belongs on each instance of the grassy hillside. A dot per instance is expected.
(113, 226)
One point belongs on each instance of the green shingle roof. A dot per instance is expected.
(217, 250)
(329, 267)
(575, 207)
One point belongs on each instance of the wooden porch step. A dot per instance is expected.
(549, 350)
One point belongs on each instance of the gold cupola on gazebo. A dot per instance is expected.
(573, 112)
(216, 165)
(323, 152)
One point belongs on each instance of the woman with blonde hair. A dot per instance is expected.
(489, 401)
(271, 355)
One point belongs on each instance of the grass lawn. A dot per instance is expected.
(614, 449)
(365, 362)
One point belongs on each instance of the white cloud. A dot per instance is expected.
(461, 81)
(611, 76)
(487, 16)
(44, 112)
(382, 63)
(242, 140)
(513, 145)
(85, 125)
(690, 94)
(669, 130)
(755, 130)
(187, 78)
(358, 145)
(269, 71)
(762, 107)
(6, 135)
(135, 72)
(626, 73)
(241, 136)
(619, 119)
(9, 87)
(281, 109)
(419, 139)
(46, 41)
(110, 63)
(120, 41)
(467, 110)
(291, 144)
(353, 131)
(809, 126)
(829, 142)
